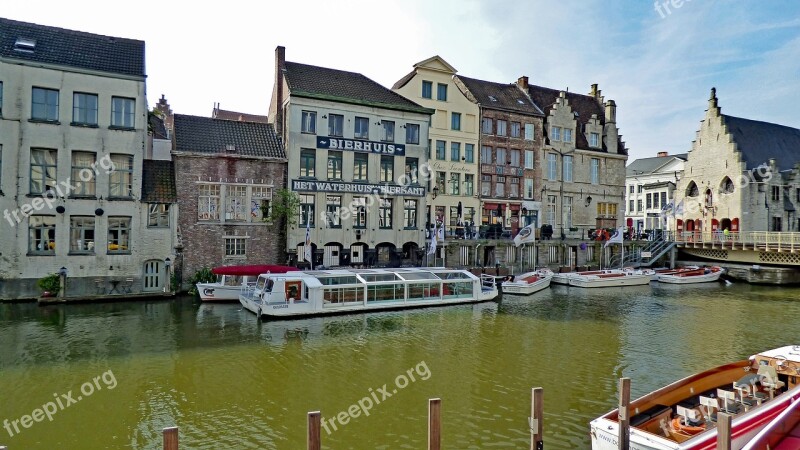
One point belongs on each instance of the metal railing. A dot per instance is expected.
(761, 240)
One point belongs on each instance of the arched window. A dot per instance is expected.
(692, 190)
(709, 198)
(726, 187)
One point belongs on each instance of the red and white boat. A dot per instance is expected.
(682, 415)
(529, 282)
(783, 433)
(230, 280)
(691, 276)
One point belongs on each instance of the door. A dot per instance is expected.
(153, 275)
(331, 256)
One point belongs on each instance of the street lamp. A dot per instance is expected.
(435, 192)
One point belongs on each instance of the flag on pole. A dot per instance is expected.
(678, 211)
(440, 236)
(307, 244)
(525, 235)
(432, 248)
(616, 238)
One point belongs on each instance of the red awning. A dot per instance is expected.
(514, 206)
(491, 205)
(252, 271)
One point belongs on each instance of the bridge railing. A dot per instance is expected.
(768, 240)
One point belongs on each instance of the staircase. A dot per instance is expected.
(656, 249)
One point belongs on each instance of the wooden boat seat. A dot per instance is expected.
(656, 412)
(711, 406)
(728, 401)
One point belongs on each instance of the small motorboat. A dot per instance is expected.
(230, 280)
(529, 282)
(690, 276)
(612, 278)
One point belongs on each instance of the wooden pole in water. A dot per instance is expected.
(170, 438)
(435, 424)
(535, 423)
(314, 430)
(3, 447)
(623, 413)
(723, 431)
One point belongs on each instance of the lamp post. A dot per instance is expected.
(62, 281)
(167, 283)
(435, 192)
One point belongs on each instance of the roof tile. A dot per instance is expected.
(213, 136)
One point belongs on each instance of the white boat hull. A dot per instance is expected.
(705, 278)
(216, 292)
(599, 281)
(523, 288)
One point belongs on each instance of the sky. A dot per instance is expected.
(657, 61)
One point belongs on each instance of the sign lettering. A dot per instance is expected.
(357, 188)
(384, 148)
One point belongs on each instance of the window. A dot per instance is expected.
(412, 170)
(83, 181)
(555, 134)
(567, 207)
(235, 246)
(486, 125)
(501, 127)
(630, 189)
(501, 156)
(412, 133)
(529, 156)
(440, 182)
(455, 183)
(335, 125)
(208, 200)
(42, 235)
(84, 108)
(441, 92)
(630, 206)
(333, 204)
(387, 168)
(43, 170)
(260, 208)
(515, 129)
(440, 145)
(639, 188)
(334, 165)
(514, 185)
(361, 130)
(514, 158)
(121, 179)
(776, 194)
(44, 105)
(529, 188)
(410, 214)
(388, 130)
(607, 210)
(119, 232)
(469, 153)
(81, 234)
(455, 121)
(663, 200)
(567, 166)
(727, 186)
(776, 224)
(691, 190)
(528, 131)
(306, 210)
(427, 89)
(486, 185)
(469, 184)
(552, 170)
(158, 215)
(360, 166)
(122, 112)
(594, 140)
(595, 171)
(430, 148)
(500, 187)
(385, 213)
(639, 205)
(486, 155)
(236, 203)
(453, 216)
(551, 209)
(649, 202)
(455, 151)
(567, 135)
(309, 124)
(1, 99)
(359, 205)
(308, 160)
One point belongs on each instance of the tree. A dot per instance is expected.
(283, 210)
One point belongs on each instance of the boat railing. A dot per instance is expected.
(487, 281)
(248, 289)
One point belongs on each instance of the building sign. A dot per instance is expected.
(452, 167)
(357, 188)
(383, 148)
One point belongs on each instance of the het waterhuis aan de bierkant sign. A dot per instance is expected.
(357, 188)
(383, 148)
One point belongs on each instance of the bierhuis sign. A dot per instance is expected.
(383, 148)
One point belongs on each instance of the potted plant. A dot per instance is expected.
(50, 285)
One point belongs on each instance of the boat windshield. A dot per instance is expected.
(268, 287)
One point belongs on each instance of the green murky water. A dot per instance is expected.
(230, 381)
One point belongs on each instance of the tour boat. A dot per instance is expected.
(682, 415)
(689, 276)
(668, 271)
(783, 433)
(230, 280)
(610, 278)
(309, 293)
(529, 282)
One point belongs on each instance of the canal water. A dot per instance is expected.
(114, 375)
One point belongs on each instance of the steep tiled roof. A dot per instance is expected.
(584, 105)
(72, 48)
(347, 87)
(500, 96)
(158, 182)
(156, 126)
(761, 141)
(650, 165)
(402, 81)
(207, 135)
(242, 117)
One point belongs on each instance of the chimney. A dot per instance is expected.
(280, 65)
(662, 154)
(594, 93)
(611, 111)
(522, 82)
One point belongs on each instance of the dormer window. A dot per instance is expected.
(594, 140)
(492, 98)
(26, 45)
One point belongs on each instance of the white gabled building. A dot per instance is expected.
(649, 191)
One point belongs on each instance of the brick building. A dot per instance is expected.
(227, 172)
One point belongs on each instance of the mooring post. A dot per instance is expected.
(623, 413)
(435, 424)
(170, 438)
(3, 447)
(535, 421)
(723, 431)
(314, 430)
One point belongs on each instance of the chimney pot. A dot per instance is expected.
(522, 82)
(662, 154)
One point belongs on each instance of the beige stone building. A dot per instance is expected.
(649, 192)
(452, 143)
